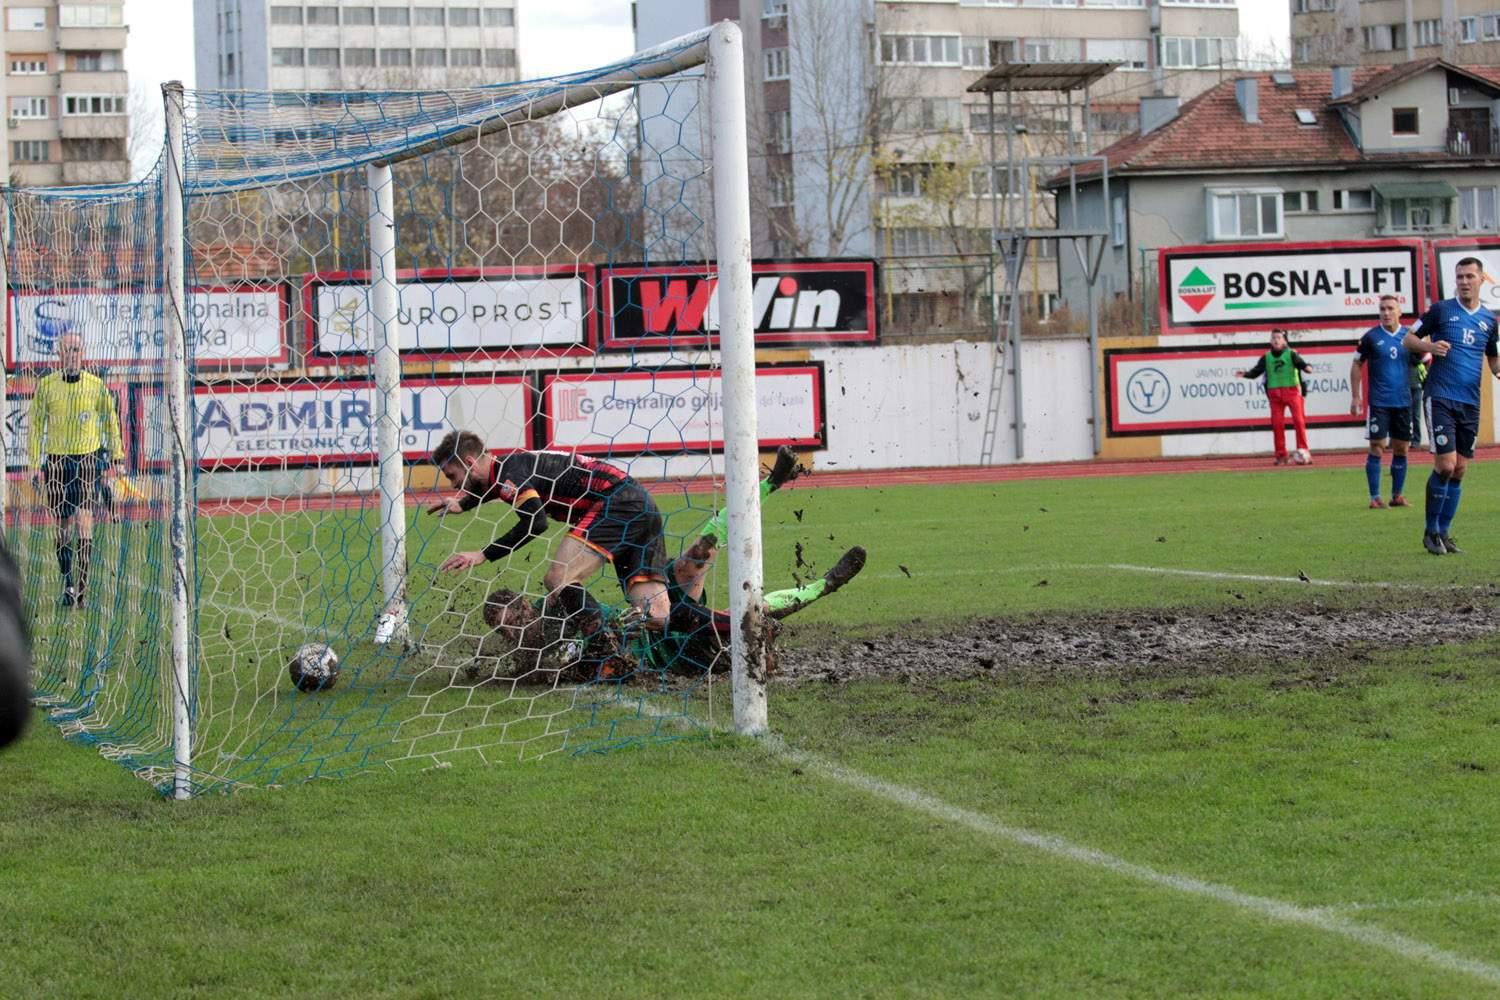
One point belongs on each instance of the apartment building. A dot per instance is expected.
(354, 44)
(831, 81)
(1383, 32)
(65, 93)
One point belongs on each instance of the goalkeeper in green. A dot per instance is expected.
(700, 631)
(73, 418)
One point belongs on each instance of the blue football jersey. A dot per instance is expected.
(1457, 377)
(1388, 364)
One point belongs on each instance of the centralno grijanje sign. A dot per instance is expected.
(1241, 287)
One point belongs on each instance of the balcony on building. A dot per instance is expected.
(75, 81)
(95, 172)
(102, 39)
(94, 126)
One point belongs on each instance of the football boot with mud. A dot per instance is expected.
(785, 468)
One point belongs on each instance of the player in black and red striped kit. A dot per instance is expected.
(614, 520)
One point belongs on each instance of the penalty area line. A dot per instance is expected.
(1321, 919)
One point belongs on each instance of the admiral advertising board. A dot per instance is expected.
(1445, 257)
(1193, 390)
(331, 422)
(18, 424)
(454, 314)
(670, 411)
(236, 327)
(1253, 286)
(812, 302)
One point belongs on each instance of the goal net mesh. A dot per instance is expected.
(529, 219)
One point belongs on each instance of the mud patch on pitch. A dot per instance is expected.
(1139, 644)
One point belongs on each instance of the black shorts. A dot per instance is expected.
(626, 528)
(70, 482)
(1392, 422)
(1453, 426)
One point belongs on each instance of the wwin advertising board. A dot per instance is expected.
(303, 423)
(669, 411)
(1252, 286)
(1193, 390)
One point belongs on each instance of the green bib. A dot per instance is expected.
(1280, 372)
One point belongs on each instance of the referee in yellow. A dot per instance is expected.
(72, 419)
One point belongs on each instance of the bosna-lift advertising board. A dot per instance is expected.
(1331, 288)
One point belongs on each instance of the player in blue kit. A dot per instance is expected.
(1383, 350)
(1459, 333)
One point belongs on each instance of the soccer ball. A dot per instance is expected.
(315, 667)
(1302, 457)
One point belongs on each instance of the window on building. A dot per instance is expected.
(1418, 215)
(1130, 53)
(779, 130)
(920, 50)
(96, 62)
(908, 180)
(30, 107)
(31, 151)
(1116, 121)
(465, 57)
(1244, 214)
(323, 16)
(1190, 53)
(1489, 27)
(359, 16)
(285, 14)
(1384, 37)
(1354, 200)
(26, 19)
(1427, 32)
(463, 17)
(1404, 121)
(93, 104)
(1117, 221)
(28, 66)
(394, 17)
(779, 190)
(1299, 202)
(324, 58)
(286, 57)
(984, 182)
(773, 8)
(395, 57)
(922, 114)
(427, 17)
(500, 58)
(1037, 50)
(499, 17)
(1477, 209)
(430, 58)
(1468, 30)
(778, 65)
(359, 57)
(99, 15)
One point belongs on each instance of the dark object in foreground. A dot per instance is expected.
(15, 654)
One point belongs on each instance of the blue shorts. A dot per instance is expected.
(1453, 426)
(1392, 422)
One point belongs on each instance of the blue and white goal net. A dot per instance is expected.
(553, 247)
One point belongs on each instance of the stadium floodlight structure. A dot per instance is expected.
(304, 295)
(1012, 231)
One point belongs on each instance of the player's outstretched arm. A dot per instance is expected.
(1422, 345)
(451, 505)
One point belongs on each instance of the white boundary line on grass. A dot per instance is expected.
(1255, 577)
(1322, 919)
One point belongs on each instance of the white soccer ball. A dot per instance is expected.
(314, 667)
(1302, 456)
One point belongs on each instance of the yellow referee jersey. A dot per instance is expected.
(73, 418)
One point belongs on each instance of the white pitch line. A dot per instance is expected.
(1320, 919)
(1256, 577)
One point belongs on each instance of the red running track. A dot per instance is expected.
(832, 478)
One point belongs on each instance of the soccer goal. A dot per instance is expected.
(308, 294)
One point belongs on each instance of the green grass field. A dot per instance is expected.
(1288, 827)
